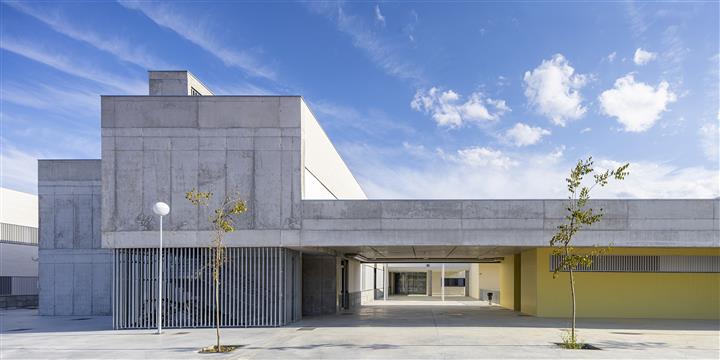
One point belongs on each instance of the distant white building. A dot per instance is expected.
(18, 248)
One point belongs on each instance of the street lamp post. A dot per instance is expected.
(161, 209)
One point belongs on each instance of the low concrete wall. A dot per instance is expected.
(18, 301)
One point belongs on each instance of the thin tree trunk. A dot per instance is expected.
(217, 295)
(572, 292)
(572, 296)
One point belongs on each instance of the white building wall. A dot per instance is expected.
(18, 208)
(474, 281)
(324, 163)
(18, 260)
(314, 189)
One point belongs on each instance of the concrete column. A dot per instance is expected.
(428, 287)
(442, 282)
(467, 283)
(386, 277)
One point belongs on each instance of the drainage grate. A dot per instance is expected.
(21, 329)
(81, 319)
(347, 314)
(306, 329)
(182, 333)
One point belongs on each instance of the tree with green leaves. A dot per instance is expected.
(580, 215)
(223, 221)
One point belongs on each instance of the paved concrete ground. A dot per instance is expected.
(420, 300)
(449, 331)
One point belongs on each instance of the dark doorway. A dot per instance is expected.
(410, 283)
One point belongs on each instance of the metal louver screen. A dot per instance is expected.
(647, 263)
(18, 234)
(259, 287)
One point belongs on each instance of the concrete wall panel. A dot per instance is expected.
(268, 193)
(241, 180)
(63, 289)
(670, 209)
(184, 169)
(502, 209)
(64, 233)
(156, 112)
(73, 268)
(82, 279)
(128, 190)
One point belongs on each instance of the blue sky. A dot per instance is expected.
(422, 99)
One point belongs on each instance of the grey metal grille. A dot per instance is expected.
(647, 263)
(259, 288)
(18, 234)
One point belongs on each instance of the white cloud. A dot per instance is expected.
(66, 100)
(383, 54)
(384, 174)
(18, 169)
(72, 66)
(611, 56)
(483, 156)
(447, 108)
(643, 57)
(587, 129)
(198, 33)
(379, 16)
(636, 105)
(523, 134)
(553, 89)
(116, 46)
(371, 122)
(710, 141)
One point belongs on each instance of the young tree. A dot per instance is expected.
(580, 215)
(223, 221)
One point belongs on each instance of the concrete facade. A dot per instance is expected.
(271, 152)
(75, 271)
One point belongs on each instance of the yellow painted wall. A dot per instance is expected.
(507, 282)
(529, 282)
(627, 295)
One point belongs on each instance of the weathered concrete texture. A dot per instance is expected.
(319, 285)
(158, 148)
(75, 272)
(75, 282)
(680, 223)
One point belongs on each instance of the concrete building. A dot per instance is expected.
(311, 243)
(18, 249)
